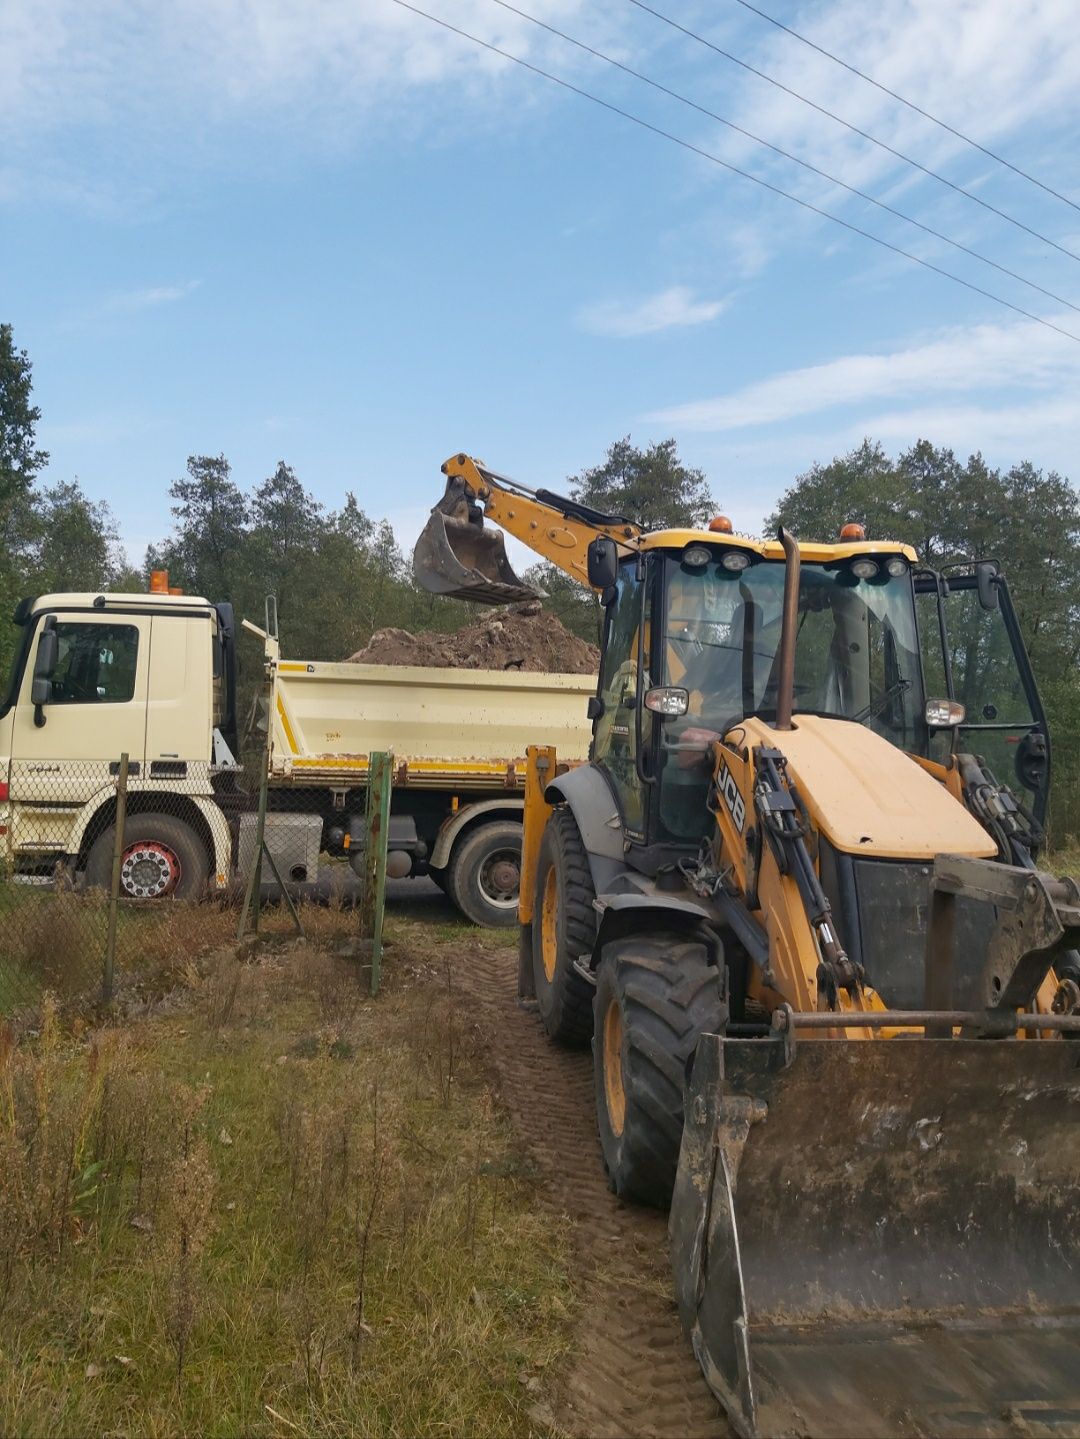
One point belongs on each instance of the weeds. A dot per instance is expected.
(219, 1219)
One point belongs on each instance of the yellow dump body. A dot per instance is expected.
(465, 729)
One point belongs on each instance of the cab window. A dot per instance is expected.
(95, 664)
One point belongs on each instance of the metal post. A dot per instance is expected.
(380, 774)
(114, 887)
(253, 890)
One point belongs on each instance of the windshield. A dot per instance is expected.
(856, 655)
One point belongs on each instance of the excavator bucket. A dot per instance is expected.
(457, 557)
(881, 1238)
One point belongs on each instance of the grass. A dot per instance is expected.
(272, 1207)
(52, 939)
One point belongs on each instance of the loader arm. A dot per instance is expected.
(458, 557)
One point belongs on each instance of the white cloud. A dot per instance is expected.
(94, 61)
(670, 309)
(148, 299)
(972, 359)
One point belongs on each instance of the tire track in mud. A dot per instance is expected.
(633, 1374)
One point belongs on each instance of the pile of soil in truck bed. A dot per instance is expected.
(521, 637)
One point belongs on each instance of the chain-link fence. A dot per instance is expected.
(114, 875)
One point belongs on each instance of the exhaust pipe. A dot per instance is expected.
(785, 688)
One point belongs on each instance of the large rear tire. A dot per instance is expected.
(654, 999)
(484, 874)
(163, 858)
(563, 929)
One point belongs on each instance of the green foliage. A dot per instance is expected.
(652, 487)
(51, 539)
(20, 459)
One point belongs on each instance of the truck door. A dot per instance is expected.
(66, 749)
(986, 668)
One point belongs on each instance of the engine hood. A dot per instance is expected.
(868, 797)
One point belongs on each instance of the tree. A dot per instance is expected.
(211, 525)
(651, 487)
(75, 545)
(20, 459)
(284, 533)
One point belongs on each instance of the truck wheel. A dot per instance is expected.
(564, 928)
(163, 858)
(654, 999)
(484, 874)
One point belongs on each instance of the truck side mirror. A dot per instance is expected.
(602, 558)
(48, 650)
(986, 575)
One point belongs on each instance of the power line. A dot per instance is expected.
(787, 155)
(855, 130)
(854, 70)
(734, 169)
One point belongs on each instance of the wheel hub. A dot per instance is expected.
(149, 870)
(500, 878)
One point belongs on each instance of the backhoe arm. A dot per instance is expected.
(458, 557)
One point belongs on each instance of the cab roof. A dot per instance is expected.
(103, 600)
(812, 551)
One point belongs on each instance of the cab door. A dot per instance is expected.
(66, 749)
(986, 668)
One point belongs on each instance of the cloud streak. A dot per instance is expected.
(670, 309)
(130, 301)
(974, 359)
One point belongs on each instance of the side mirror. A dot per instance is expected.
(602, 558)
(986, 575)
(44, 663)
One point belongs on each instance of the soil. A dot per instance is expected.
(633, 1372)
(520, 637)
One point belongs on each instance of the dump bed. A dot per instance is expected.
(465, 729)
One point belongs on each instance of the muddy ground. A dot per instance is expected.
(633, 1374)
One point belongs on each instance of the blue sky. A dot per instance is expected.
(334, 234)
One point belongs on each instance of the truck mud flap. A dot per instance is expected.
(881, 1237)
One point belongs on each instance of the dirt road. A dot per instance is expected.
(634, 1373)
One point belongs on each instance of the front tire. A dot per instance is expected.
(563, 929)
(163, 858)
(654, 1000)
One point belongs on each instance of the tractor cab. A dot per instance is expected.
(932, 663)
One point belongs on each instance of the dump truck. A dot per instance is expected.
(155, 676)
(794, 902)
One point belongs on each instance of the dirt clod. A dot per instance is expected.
(521, 637)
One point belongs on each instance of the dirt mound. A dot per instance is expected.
(522, 637)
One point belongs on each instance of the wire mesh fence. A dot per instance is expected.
(114, 875)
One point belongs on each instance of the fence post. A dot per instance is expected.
(114, 887)
(253, 889)
(380, 774)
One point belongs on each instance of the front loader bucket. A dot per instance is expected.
(455, 556)
(881, 1237)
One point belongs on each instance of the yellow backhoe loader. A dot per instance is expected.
(833, 1001)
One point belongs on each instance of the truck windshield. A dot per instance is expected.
(856, 656)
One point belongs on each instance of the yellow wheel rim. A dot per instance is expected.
(549, 934)
(613, 1083)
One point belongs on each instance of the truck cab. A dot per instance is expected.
(96, 676)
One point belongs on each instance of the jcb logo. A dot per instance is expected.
(725, 783)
